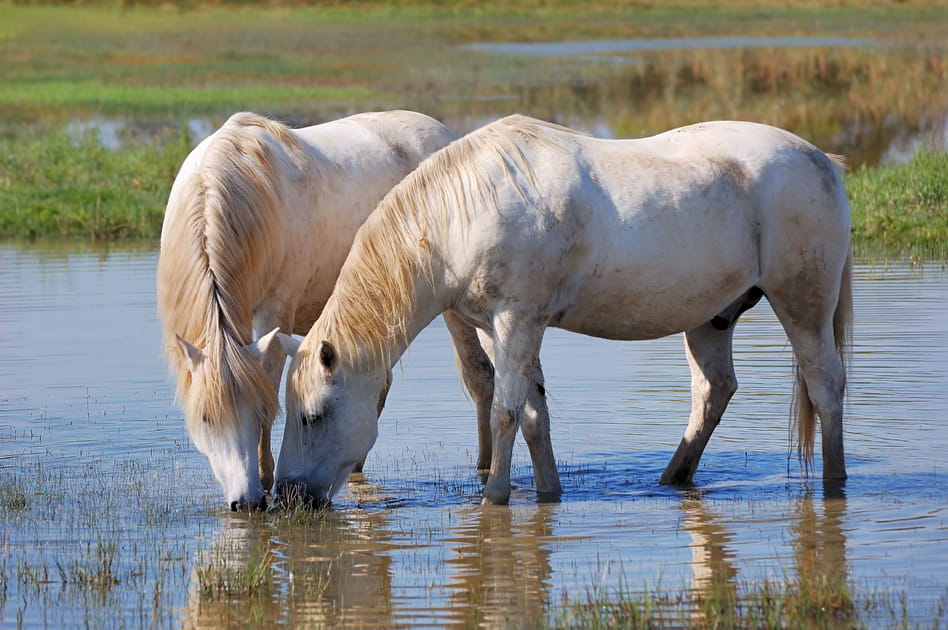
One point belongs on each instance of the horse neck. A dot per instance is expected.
(373, 327)
(427, 305)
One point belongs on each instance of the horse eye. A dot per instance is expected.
(312, 418)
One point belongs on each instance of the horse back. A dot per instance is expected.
(643, 238)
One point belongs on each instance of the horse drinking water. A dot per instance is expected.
(523, 225)
(259, 221)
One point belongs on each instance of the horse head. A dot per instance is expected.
(226, 427)
(331, 420)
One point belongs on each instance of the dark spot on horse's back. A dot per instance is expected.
(401, 153)
(729, 167)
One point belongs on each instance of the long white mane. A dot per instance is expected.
(226, 225)
(369, 311)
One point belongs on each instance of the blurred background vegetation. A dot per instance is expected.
(101, 101)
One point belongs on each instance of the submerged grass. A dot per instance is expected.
(82, 540)
(767, 605)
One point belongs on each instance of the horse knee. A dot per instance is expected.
(716, 390)
(504, 422)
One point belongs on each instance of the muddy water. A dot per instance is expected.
(108, 510)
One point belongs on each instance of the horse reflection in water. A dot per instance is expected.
(500, 566)
(258, 223)
(818, 544)
(325, 570)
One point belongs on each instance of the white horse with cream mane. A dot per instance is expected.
(523, 225)
(259, 221)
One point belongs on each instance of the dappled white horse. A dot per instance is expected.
(523, 225)
(259, 221)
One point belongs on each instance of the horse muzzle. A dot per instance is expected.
(243, 505)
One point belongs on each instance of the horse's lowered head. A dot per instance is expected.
(226, 422)
(332, 413)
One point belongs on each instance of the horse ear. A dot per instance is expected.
(290, 344)
(327, 355)
(260, 347)
(192, 354)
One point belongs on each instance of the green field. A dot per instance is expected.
(150, 71)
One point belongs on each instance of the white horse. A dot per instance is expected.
(523, 225)
(259, 221)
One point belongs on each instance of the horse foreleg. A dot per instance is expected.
(536, 432)
(273, 362)
(713, 382)
(477, 373)
(516, 360)
(265, 459)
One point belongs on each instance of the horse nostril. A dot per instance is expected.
(245, 506)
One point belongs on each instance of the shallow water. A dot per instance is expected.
(108, 509)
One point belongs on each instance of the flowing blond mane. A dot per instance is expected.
(370, 309)
(223, 235)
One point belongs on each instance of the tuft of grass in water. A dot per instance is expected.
(93, 570)
(761, 605)
(222, 578)
(13, 498)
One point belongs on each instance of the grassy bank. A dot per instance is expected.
(58, 186)
(866, 80)
(902, 208)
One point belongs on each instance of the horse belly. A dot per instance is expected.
(633, 304)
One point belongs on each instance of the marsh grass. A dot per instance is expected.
(64, 186)
(152, 556)
(89, 535)
(61, 185)
(765, 605)
(903, 208)
(220, 578)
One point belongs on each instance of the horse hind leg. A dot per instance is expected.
(713, 383)
(821, 382)
(817, 318)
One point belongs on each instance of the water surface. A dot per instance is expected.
(109, 510)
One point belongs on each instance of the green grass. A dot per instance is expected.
(903, 208)
(57, 186)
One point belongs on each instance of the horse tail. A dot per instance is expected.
(802, 406)
(215, 252)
